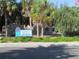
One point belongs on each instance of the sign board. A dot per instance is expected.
(17, 32)
(24, 33)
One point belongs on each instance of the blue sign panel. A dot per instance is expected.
(17, 32)
(24, 33)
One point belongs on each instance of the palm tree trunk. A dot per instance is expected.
(6, 33)
(37, 30)
(42, 31)
(30, 22)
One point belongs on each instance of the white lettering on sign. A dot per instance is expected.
(26, 32)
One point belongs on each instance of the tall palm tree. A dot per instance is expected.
(5, 7)
(46, 14)
(42, 13)
(26, 6)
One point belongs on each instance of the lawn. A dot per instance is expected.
(44, 39)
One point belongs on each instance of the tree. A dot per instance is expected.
(42, 13)
(47, 16)
(26, 6)
(6, 7)
(67, 20)
(34, 10)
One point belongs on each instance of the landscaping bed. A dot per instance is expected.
(34, 39)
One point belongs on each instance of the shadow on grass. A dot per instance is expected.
(51, 52)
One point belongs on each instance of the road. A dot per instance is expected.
(51, 52)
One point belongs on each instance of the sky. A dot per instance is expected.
(65, 2)
(59, 2)
(18, 1)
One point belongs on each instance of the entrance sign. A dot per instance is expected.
(24, 33)
(17, 32)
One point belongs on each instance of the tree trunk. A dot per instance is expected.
(37, 30)
(30, 22)
(42, 31)
(6, 33)
(62, 34)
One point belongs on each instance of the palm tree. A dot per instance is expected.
(42, 13)
(5, 7)
(39, 11)
(26, 6)
(47, 15)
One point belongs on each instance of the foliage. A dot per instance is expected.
(44, 39)
(67, 20)
(13, 39)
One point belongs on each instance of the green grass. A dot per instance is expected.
(44, 39)
(56, 39)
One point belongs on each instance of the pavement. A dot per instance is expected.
(37, 44)
(32, 50)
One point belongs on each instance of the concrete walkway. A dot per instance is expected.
(37, 44)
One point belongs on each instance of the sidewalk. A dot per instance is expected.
(37, 44)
